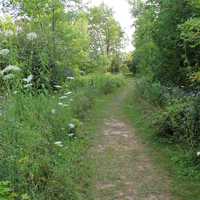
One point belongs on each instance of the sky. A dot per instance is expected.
(122, 14)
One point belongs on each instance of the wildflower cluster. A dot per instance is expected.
(27, 81)
(8, 33)
(4, 52)
(31, 36)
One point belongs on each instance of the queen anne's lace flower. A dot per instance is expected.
(71, 135)
(8, 77)
(68, 93)
(70, 78)
(31, 36)
(198, 153)
(29, 85)
(53, 111)
(19, 29)
(8, 33)
(59, 144)
(63, 97)
(9, 68)
(62, 104)
(4, 52)
(28, 79)
(57, 86)
(71, 126)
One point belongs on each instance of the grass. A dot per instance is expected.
(174, 159)
(41, 157)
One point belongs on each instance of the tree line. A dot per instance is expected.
(53, 39)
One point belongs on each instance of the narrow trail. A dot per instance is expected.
(124, 169)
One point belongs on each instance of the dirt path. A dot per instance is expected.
(124, 170)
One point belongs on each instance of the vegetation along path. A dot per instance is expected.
(124, 170)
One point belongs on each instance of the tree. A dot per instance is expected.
(62, 40)
(158, 42)
(105, 32)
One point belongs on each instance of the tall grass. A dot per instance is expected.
(43, 143)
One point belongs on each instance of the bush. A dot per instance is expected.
(180, 121)
(157, 94)
(108, 83)
(83, 102)
(153, 92)
(38, 156)
(103, 83)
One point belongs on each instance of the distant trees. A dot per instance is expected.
(106, 35)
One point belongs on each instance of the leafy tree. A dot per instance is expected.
(105, 33)
(158, 39)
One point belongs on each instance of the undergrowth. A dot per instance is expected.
(44, 141)
(179, 159)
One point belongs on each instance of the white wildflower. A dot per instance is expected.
(198, 153)
(71, 126)
(4, 52)
(63, 97)
(8, 77)
(29, 85)
(68, 93)
(31, 36)
(70, 78)
(53, 111)
(71, 135)
(57, 86)
(19, 29)
(82, 72)
(9, 68)
(62, 104)
(28, 79)
(8, 33)
(59, 144)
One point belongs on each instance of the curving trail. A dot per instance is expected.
(124, 169)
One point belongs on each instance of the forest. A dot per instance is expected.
(83, 119)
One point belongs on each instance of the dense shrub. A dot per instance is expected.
(83, 102)
(156, 93)
(151, 91)
(180, 121)
(108, 83)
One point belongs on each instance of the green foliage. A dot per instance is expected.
(5, 191)
(180, 121)
(43, 148)
(190, 31)
(153, 92)
(83, 102)
(167, 58)
(106, 36)
(51, 73)
(177, 159)
(158, 41)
